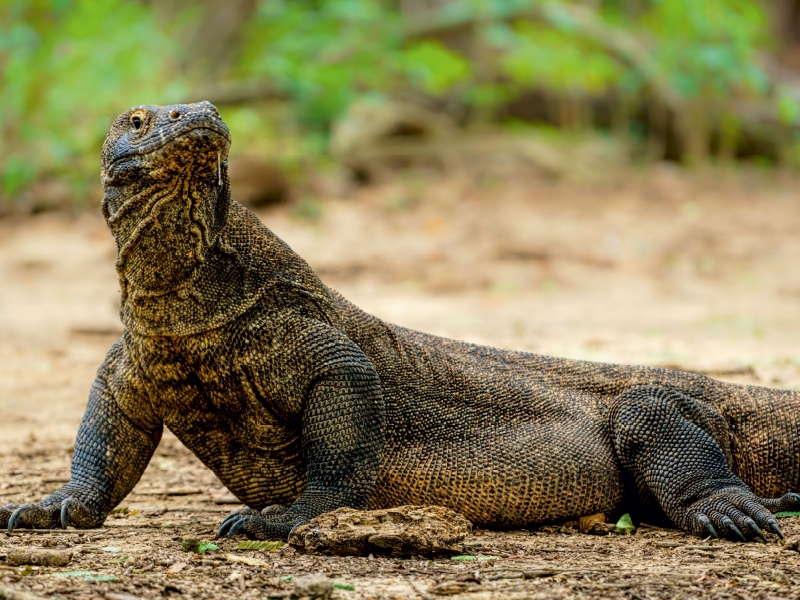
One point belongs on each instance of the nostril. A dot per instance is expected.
(175, 114)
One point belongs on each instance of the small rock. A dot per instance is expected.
(313, 587)
(38, 557)
(131, 562)
(397, 531)
(779, 576)
(792, 543)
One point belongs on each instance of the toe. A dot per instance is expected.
(232, 518)
(775, 529)
(16, 516)
(238, 525)
(704, 524)
(730, 527)
(5, 514)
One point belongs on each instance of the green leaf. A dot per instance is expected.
(788, 513)
(26, 570)
(468, 557)
(75, 573)
(287, 577)
(198, 547)
(344, 586)
(625, 525)
(256, 545)
(207, 547)
(101, 577)
(190, 545)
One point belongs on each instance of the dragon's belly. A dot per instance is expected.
(507, 476)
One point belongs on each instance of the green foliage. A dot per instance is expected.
(625, 525)
(68, 67)
(323, 53)
(198, 547)
(709, 46)
(540, 56)
(433, 67)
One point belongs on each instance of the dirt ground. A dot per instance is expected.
(698, 272)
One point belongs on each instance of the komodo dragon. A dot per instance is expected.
(294, 397)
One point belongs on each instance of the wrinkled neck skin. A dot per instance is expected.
(169, 226)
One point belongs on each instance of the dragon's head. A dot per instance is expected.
(167, 194)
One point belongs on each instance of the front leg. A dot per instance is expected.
(664, 439)
(342, 433)
(111, 454)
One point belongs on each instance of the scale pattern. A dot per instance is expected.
(301, 403)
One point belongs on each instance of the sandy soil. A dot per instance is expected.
(698, 272)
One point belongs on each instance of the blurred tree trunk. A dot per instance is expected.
(785, 18)
(211, 46)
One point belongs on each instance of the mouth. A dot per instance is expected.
(189, 134)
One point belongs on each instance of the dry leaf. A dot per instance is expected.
(247, 560)
(585, 524)
(177, 567)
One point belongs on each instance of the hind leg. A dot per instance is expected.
(666, 441)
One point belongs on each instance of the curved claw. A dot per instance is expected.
(756, 529)
(775, 529)
(226, 525)
(237, 526)
(229, 519)
(711, 530)
(733, 529)
(64, 515)
(15, 517)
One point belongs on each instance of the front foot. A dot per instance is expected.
(273, 523)
(737, 514)
(49, 514)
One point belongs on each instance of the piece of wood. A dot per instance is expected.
(38, 557)
(57, 531)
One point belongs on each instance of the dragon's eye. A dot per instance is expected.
(136, 122)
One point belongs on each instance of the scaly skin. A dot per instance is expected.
(294, 397)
